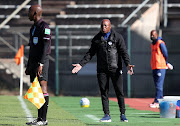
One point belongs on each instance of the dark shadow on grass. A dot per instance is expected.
(6, 124)
(152, 115)
(149, 116)
(104, 124)
(64, 119)
(14, 117)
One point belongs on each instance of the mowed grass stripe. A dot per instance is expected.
(12, 114)
(66, 111)
(26, 110)
(71, 104)
(56, 115)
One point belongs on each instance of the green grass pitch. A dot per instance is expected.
(66, 111)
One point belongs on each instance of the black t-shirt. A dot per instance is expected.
(40, 41)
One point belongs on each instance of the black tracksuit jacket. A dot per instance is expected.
(109, 53)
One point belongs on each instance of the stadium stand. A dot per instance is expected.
(77, 21)
(108, 2)
(173, 13)
(171, 33)
(5, 16)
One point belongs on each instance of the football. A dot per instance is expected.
(84, 102)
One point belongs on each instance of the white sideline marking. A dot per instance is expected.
(28, 113)
(93, 117)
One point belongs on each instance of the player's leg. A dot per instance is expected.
(44, 108)
(43, 82)
(32, 77)
(158, 76)
(159, 81)
(117, 80)
(103, 80)
(42, 112)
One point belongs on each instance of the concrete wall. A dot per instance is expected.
(142, 82)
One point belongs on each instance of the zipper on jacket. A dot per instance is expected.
(107, 59)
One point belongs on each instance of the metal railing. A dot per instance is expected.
(134, 12)
(165, 12)
(14, 13)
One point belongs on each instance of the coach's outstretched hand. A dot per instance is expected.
(76, 68)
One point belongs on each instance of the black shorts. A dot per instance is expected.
(33, 66)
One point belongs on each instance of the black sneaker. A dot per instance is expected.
(34, 121)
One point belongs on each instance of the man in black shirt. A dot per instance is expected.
(110, 49)
(38, 62)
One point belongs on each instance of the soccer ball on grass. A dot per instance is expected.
(84, 102)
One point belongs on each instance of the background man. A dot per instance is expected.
(159, 65)
(38, 62)
(109, 47)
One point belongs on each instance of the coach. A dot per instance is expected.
(38, 62)
(110, 49)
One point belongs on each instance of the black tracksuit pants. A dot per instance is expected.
(117, 80)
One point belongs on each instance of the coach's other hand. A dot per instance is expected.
(76, 68)
(130, 69)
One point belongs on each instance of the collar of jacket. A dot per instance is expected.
(106, 35)
(111, 38)
(154, 42)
